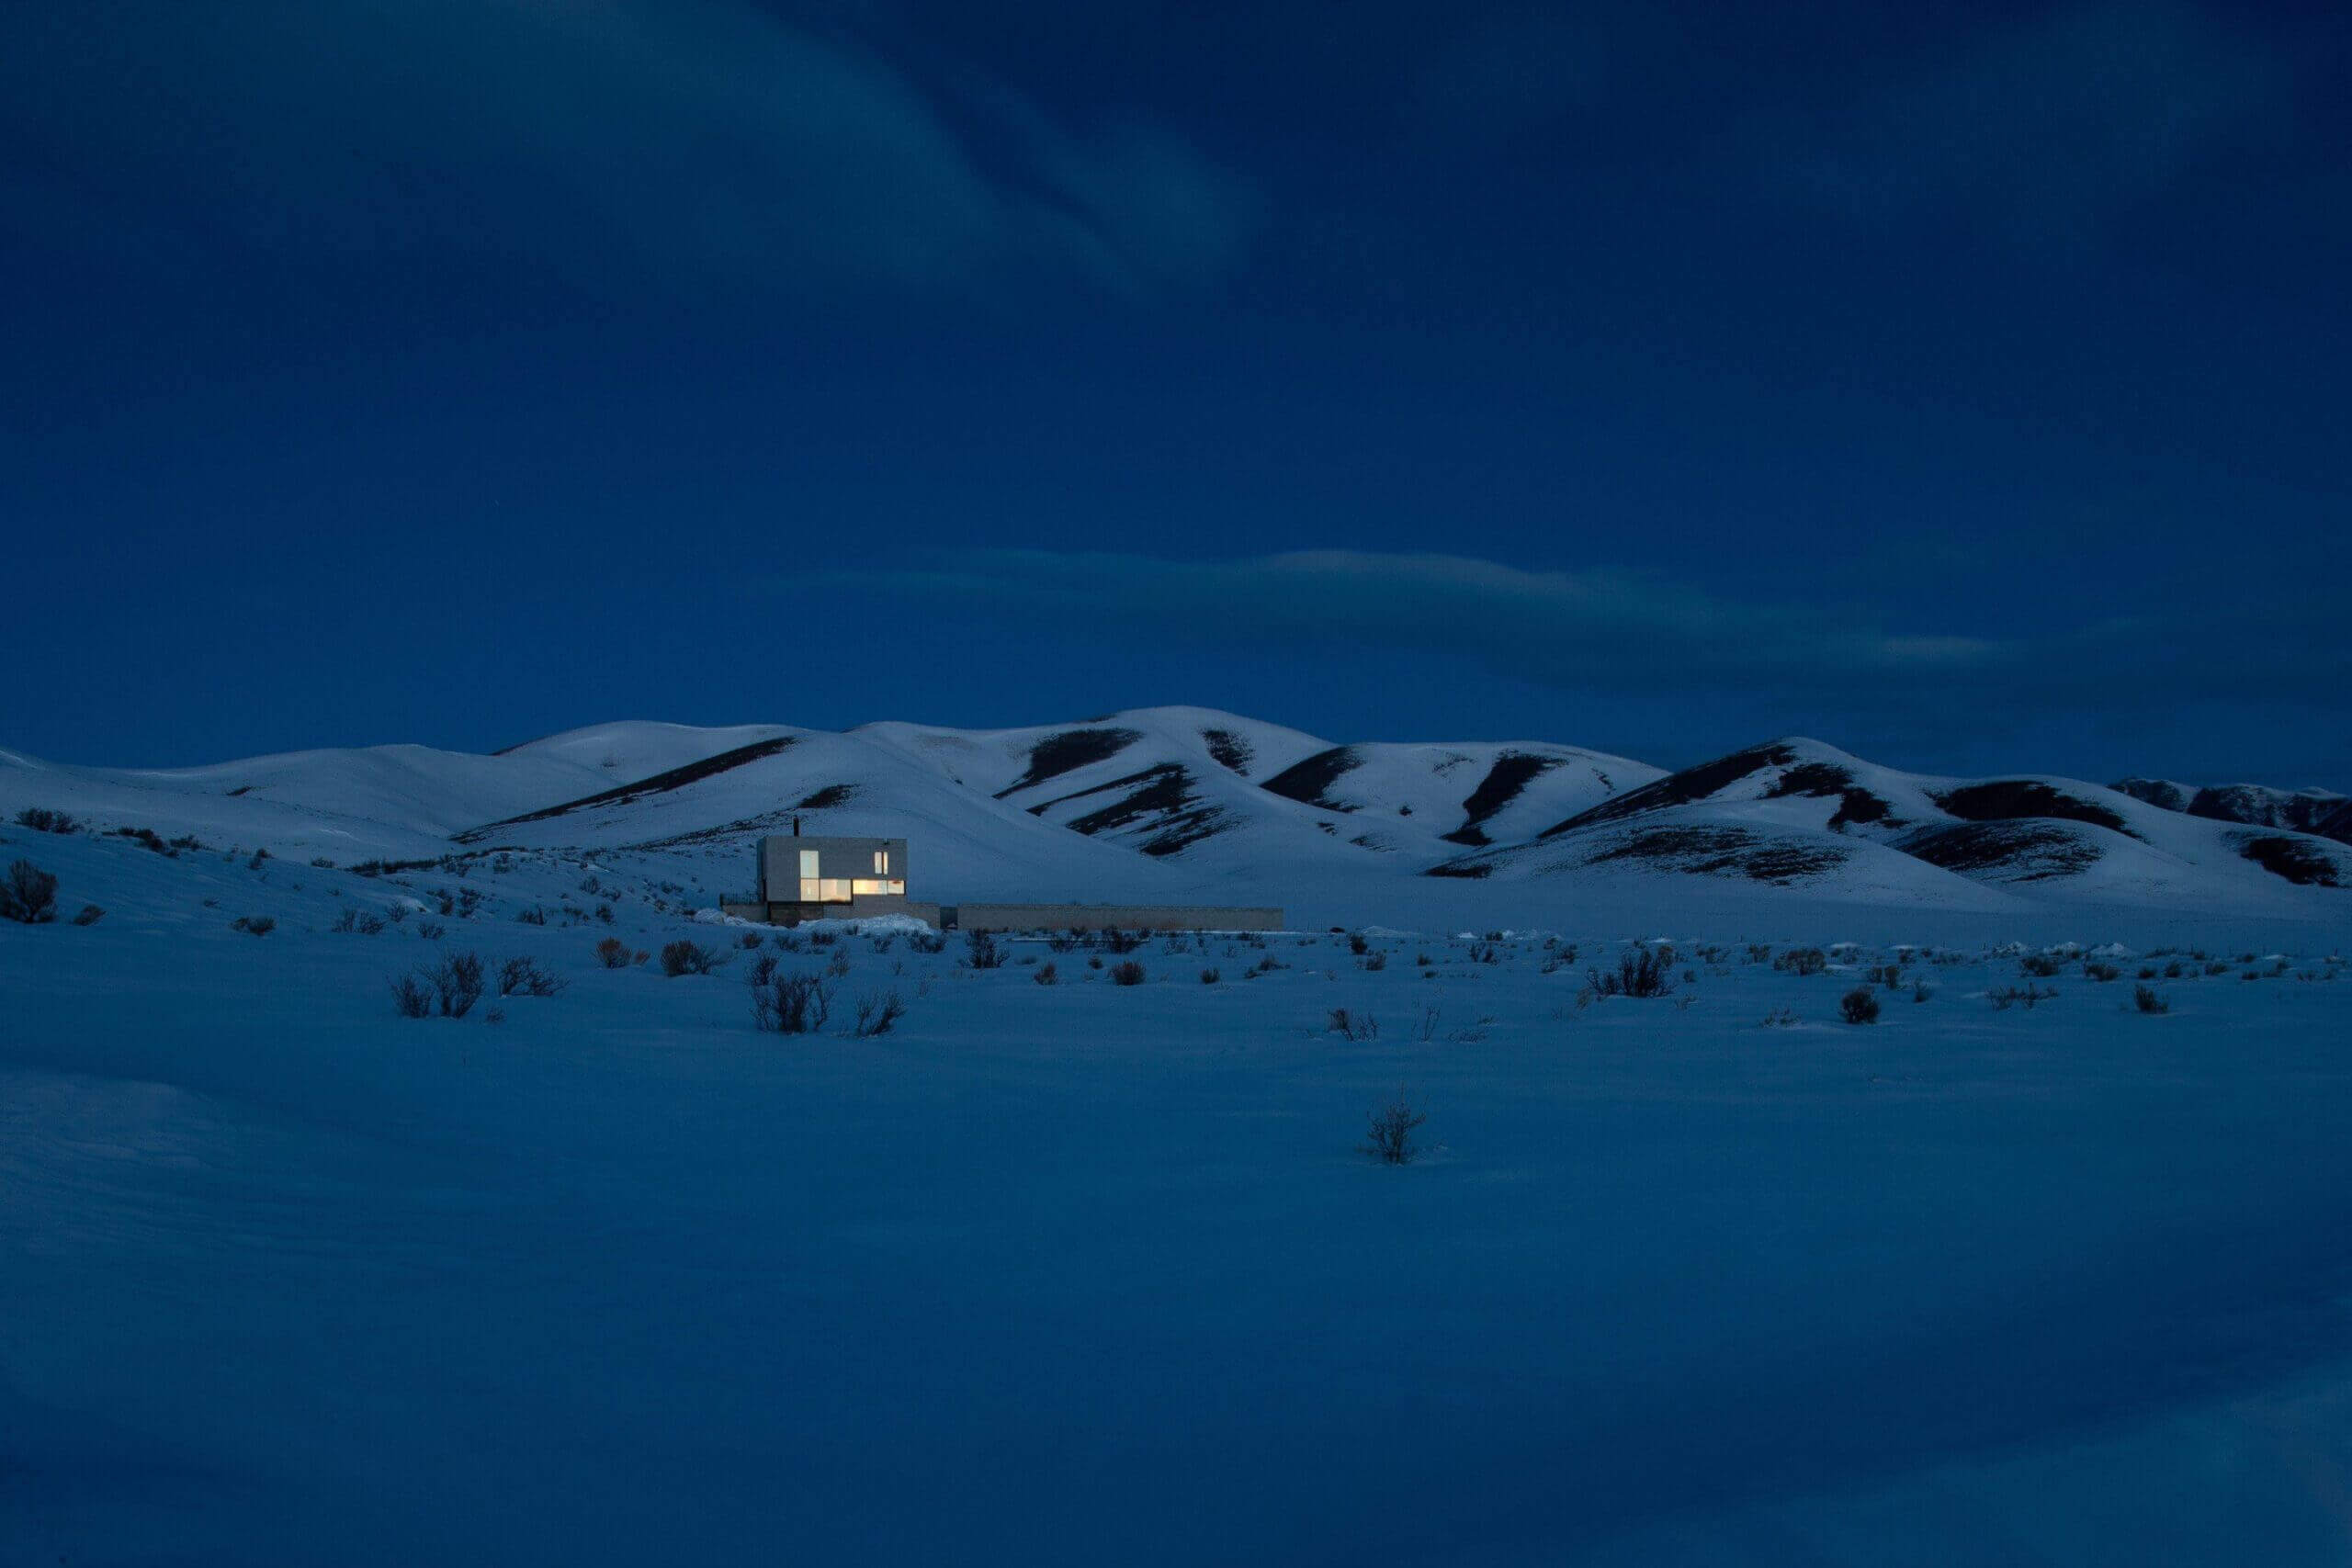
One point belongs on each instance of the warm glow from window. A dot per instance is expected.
(835, 890)
(879, 887)
(809, 890)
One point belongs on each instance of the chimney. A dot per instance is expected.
(795, 826)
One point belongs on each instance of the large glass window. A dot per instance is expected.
(835, 890)
(809, 862)
(880, 887)
(881, 863)
(810, 890)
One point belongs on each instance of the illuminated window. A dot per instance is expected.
(881, 863)
(835, 890)
(808, 864)
(879, 887)
(810, 890)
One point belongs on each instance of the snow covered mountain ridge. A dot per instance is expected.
(1172, 802)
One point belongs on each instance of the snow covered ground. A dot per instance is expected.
(1094, 1273)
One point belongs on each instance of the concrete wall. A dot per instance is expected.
(1121, 916)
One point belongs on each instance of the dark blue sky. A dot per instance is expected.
(1961, 383)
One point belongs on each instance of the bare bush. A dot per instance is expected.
(791, 1004)
(523, 977)
(254, 925)
(2144, 1000)
(2101, 972)
(1640, 971)
(1047, 975)
(1373, 963)
(41, 820)
(838, 965)
(413, 996)
(613, 952)
(1352, 1025)
(29, 895)
(1859, 1006)
(2012, 996)
(457, 983)
(2040, 965)
(749, 941)
(535, 915)
(982, 952)
(686, 957)
(1122, 941)
(1210, 977)
(1801, 961)
(90, 916)
(878, 1014)
(927, 941)
(1126, 972)
(1393, 1125)
(763, 969)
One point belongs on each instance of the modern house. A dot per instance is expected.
(815, 879)
(847, 879)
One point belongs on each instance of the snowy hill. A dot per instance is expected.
(1798, 813)
(1173, 803)
(2319, 811)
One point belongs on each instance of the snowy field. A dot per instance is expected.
(1096, 1273)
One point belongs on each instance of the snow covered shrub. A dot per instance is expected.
(2010, 996)
(2101, 972)
(1375, 962)
(456, 984)
(535, 915)
(1801, 961)
(686, 957)
(748, 941)
(431, 930)
(28, 896)
(1859, 1006)
(2144, 1000)
(1358, 943)
(1122, 941)
(90, 916)
(1393, 1124)
(927, 941)
(982, 952)
(523, 977)
(260, 858)
(838, 965)
(1919, 992)
(1126, 972)
(1047, 975)
(1781, 1017)
(791, 1004)
(762, 970)
(878, 1013)
(2038, 965)
(1640, 971)
(1210, 977)
(1349, 1024)
(41, 820)
(254, 925)
(413, 996)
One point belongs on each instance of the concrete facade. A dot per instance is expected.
(848, 879)
(1112, 917)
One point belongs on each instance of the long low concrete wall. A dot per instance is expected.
(1113, 916)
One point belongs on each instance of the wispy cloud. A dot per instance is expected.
(2041, 131)
(612, 140)
(1600, 627)
(1612, 631)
